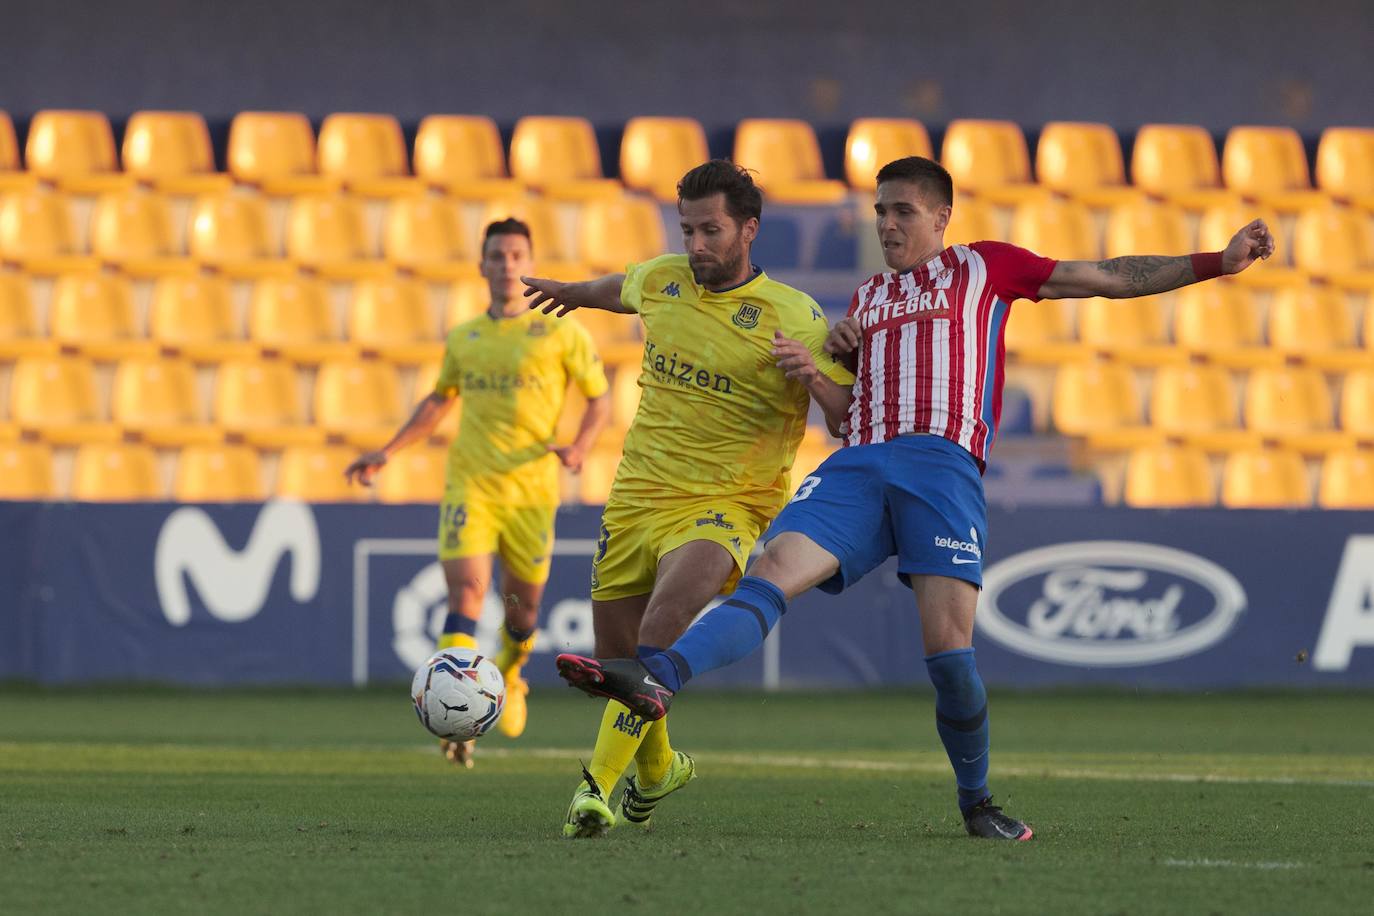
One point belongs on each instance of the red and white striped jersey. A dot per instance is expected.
(932, 355)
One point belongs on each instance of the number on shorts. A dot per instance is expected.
(807, 486)
(601, 545)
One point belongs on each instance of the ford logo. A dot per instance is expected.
(1108, 603)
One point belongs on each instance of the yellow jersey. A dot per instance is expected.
(716, 415)
(512, 374)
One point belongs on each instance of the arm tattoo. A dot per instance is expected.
(1143, 275)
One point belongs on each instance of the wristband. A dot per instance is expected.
(1207, 265)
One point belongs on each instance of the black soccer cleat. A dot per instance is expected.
(624, 680)
(986, 820)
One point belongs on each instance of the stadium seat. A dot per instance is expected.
(20, 334)
(1043, 331)
(259, 401)
(462, 155)
(1221, 321)
(550, 242)
(57, 397)
(218, 473)
(293, 317)
(1357, 403)
(838, 245)
(1147, 227)
(466, 299)
(560, 157)
(1178, 162)
(1345, 164)
(26, 471)
(787, 159)
(874, 142)
(425, 235)
(327, 234)
(132, 230)
(617, 337)
(989, 159)
(316, 474)
(413, 475)
(598, 474)
(1092, 397)
(1292, 404)
(1198, 403)
(1223, 219)
(171, 151)
(391, 317)
(12, 174)
(617, 231)
(625, 392)
(366, 153)
(157, 399)
(1367, 334)
(971, 220)
(1084, 161)
(1347, 480)
(1168, 476)
(1314, 321)
(232, 233)
(1336, 244)
(115, 472)
(656, 152)
(359, 401)
(1265, 478)
(74, 150)
(1268, 164)
(37, 234)
(94, 313)
(194, 317)
(1133, 330)
(1055, 228)
(275, 151)
(778, 244)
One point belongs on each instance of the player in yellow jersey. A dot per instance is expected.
(511, 367)
(706, 460)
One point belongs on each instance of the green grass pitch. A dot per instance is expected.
(156, 801)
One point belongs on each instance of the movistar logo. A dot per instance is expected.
(672, 289)
(675, 370)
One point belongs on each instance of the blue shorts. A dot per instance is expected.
(919, 497)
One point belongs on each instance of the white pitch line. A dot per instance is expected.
(1224, 863)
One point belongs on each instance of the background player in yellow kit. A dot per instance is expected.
(706, 461)
(512, 367)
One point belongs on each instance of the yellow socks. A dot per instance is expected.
(457, 641)
(513, 654)
(616, 743)
(655, 754)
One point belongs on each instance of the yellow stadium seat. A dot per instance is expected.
(560, 157)
(1133, 330)
(94, 313)
(57, 397)
(74, 150)
(971, 220)
(358, 400)
(1268, 164)
(598, 474)
(1092, 397)
(171, 151)
(259, 401)
(1055, 228)
(1197, 403)
(656, 152)
(466, 299)
(1347, 480)
(218, 473)
(12, 174)
(1336, 244)
(550, 243)
(617, 231)
(990, 159)
(367, 153)
(617, 337)
(787, 159)
(874, 142)
(1345, 164)
(413, 475)
(293, 317)
(462, 155)
(316, 474)
(132, 230)
(36, 233)
(1224, 218)
(1178, 162)
(392, 317)
(115, 472)
(157, 399)
(1265, 478)
(625, 393)
(1043, 331)
(425, 235)
(1147, 227)
(1292, 404)
(194, 316)
(1357, 403)
(1368, 333)
(232, 233)
(1168, 476)
(1221, 321)
(26, 471)
(20, 334)
(1083, 160)
(1314, 321)
(275, 150)
(328, 234)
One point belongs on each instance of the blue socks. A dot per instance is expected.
(723, 636)
(457, 623)
(961, 717)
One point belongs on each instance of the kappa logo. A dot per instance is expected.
(537, 329)
(747, 317)
(672, 289)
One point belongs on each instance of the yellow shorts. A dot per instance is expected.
(634, 538)
(472, 526)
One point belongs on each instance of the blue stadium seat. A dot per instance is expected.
(1016, 419)
(839, 246)
(778, 245)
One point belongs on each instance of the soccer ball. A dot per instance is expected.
(458, 694)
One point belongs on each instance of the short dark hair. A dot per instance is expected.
(508, 226)
(927, 173)
(743, 199)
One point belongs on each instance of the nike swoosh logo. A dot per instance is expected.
(961, 560)
(653, 683)
(974, 759)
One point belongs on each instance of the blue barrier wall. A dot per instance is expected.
(339, 594)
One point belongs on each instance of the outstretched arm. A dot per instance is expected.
(602, 293)
(1143, 275)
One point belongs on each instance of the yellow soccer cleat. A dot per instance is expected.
(512, 721)
(588, 815)
(637, 802)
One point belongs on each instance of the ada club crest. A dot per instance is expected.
(747, 317)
